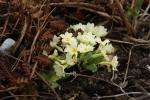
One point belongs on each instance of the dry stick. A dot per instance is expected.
(7, 19)
(15, 63)
(3, 1)
(97, 78)
(140, 41)
(33, 69)
(129, 59)
(15, 24)
(9, 14)
(47, 83)
(11, 94)
(99, 13)
(122, 90)
(128, 63)
(75, 5)
(124, 17)
(70, 4)
(13, 57)
(118, 95)
(5, 26)
(40, 11)
(33, 43)
(133, 4)
(8, 97)
(119, 41)
(147, 9)
(140, 87)
(23, 32)
(8, 89)
(37, 35)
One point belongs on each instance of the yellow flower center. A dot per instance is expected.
(67, 39)
(74, 50)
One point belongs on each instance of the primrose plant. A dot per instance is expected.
(81, 46)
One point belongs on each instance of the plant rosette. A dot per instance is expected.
(86, 50)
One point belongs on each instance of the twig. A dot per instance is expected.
(23, 32)
(141, 41)
(40, 11)
(119, 41)
(47, 83)
(147, 9)
(3, 1)
(99, 13)
(7, 19)
(13, 95)
(16, 24)
(81, 4)
(37, 35)
(122, 90)
(10, 93)
(5, 53)
(33, 70)
(8, 97)
(15, 63)
(8, 89)
(5, 25)
(124, 17)
(133, 4)
(84, 6)
(9, 14)
(97, 78)
(118, 95)
(129, 59)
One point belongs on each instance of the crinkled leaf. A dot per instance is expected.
(95, 59)
(85, 56)
(91, 67)
(52, 78)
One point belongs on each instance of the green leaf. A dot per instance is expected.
(138, 5)
(52, 78)
(136, 10)
(85, 56)
(96, 59)
(91, 67)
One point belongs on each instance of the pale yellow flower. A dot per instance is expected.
(83, 48)
(114, 63)
(54, 55)
(71, 49)
(70, 59)
(55, 41)
(67, 38)
(89, 27)
(87, 38)
(105, 46)
(100, 31)
(59, 69)
(78, 26)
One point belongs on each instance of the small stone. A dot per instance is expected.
(7, 44)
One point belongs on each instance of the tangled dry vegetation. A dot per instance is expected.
(33, 23)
